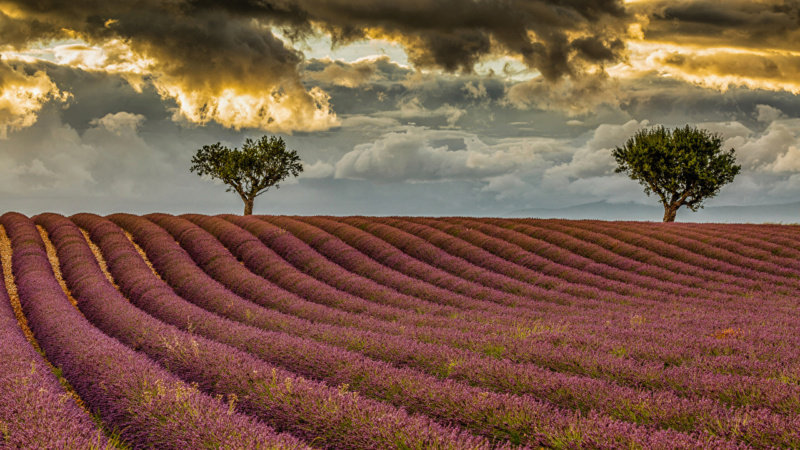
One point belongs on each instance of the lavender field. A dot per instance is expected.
(279, 332)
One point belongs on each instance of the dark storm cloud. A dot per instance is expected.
(740, 23)
(226, 37)
(455, 34)
(217, 64)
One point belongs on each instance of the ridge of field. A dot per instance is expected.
(407, 332)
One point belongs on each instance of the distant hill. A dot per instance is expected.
(784, 213)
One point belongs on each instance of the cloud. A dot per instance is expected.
(721, 69)
(476, 91)
(108, 159)
(718, 45)
(216, 63)
(550, 36)
(200, 50)
(594, 158)
(319, 169)
(121, 123)
(22, 95)
(412, 156)
(573, 97)
(350, 75)
(506, 186)
(733, 23)
(767, 114)
(412, 107)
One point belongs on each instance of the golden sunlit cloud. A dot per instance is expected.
(283, 108)
(715, 68)
(22, 96)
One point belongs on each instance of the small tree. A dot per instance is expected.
(684, 166)
(251, 171)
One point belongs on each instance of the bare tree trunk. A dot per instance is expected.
(670, 211)
(248, 206)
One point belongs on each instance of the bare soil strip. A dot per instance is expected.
(11, 287)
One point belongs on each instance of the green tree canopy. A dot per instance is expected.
(684, 166)
(251, 171)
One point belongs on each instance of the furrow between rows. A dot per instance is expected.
(133, 396)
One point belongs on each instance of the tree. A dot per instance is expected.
(251, 171)
(684, 167)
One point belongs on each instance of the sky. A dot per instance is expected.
(414, 107)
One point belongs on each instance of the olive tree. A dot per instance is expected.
(684, 166)
(251, 171)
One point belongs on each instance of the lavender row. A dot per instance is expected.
(444, 399)
(741, 244)
(265, 262)
(328, 417)
(310, 262)
(422, 250)
(439, 361)
(692, 252)
(525, 245)
(669, 341)
(390, 257)
(132, 395)
(454, 247)
(759, 298)
(626, 244)
(386, 254)
(472, 263)
(639, 248)
(36, 412)
(349, 258)
(552, 352)
(608, 250)
(300, 232)
(335, 250)
(777, 242)
(740, 365)
(204, 249)
(711, 300)
(720, 303)
(721, 249)
(559, 358)
(419, 246)
(515, 254)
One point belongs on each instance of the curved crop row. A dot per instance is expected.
(589, 334)
(33, 401)
(709, 297)
(146, 405)
(446, 252)
(499, 414)
(548, 251)
(753, 241)
(735, 389)
(701, 411)
(348, 258)
(697, 254)
(777, 242)
(364, 332)
(326, 416)
(310, 262)
(513, 253)
(391, 257)
(723, 250)
(629, 245)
